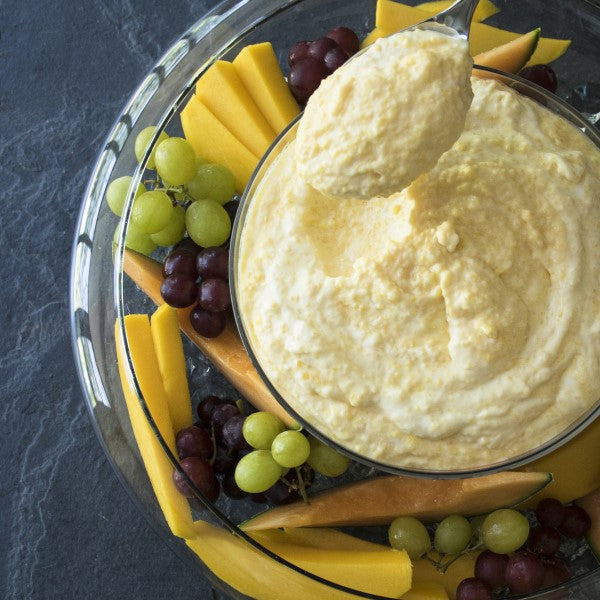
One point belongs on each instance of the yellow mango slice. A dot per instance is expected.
(160, 470)
(591, 504)
(226, 351)
(252, 572)
(259, 69)
(223, 93)
(575, 468)
(164, 327)
(214, 142)
(426, 590)
(383, 572)
(392, 16)
(461, 568)
(510, 57)
(484, 10)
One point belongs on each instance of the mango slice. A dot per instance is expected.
(510, 57)
(426, 590)
(160, 470)
(483, 11)
(164, 327)
(575, 468)
(382, 571)
(226, 352)
(214, 142)
(223, 93)
(378, 501)
(463, 567)
(258, 68)
(392, 16)
(252, 572)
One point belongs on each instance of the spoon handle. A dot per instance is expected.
(458, 16)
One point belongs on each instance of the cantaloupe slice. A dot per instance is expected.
(226, 351)
(223, 93)
(380, 500)
(214, 142)
(575, 468)
(160, 470)
(510, 57)
(381, 571)
(164, 327)
(391, 16)
(258, 68)
(483, 11)
(461, 568)
(251, 571)
(591, 504)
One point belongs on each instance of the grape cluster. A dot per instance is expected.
(523, 560)
(184, 194)
(198, 276)
(249, 455)
(310, 62)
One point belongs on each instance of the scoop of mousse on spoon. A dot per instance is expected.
(388, 114)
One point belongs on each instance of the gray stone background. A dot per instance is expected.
(67, 527)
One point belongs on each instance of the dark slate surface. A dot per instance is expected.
(67, 528)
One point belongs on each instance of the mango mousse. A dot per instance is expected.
(431, 326)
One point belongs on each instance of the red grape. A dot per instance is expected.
(213, 295)
(576, 522)
(207, 324)
(543, 75)
(213, 262)
(180, 262)
(544, 540)
(550, 512)
(193, 441)
(179, 291)
(231, 208)
(297, 52)
(319, 48)
(524, 573)
(335, 58)
(473, 589)
(202, 476)
(345, 38)
(490, 567)
(221, 415)
(231, 488)
(224, 461)
(280, 494)
(556, 571)
(206, 407)
(232, 433)
(305, 77)
(189, 245)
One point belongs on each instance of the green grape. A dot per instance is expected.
(143, 140)
(326, 460)
(135, 239)
(116, 193)
(207, 223)
(408, 533)
(214, 182)
(505, 530)
(152, 211)
(261, 428)
(290, 449)
(452, 535)
(174, 231)
(257, 472)
(175, 160)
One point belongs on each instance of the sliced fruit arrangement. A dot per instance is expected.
(391, 16)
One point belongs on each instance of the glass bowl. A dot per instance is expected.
(100, 294)
(552, 103)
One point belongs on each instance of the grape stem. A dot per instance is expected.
(442, 566)
(213, 439)
(301, 486)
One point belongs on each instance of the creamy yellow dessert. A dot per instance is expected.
(373, 126)
(451, 325)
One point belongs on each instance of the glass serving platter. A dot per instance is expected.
(100, 293)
